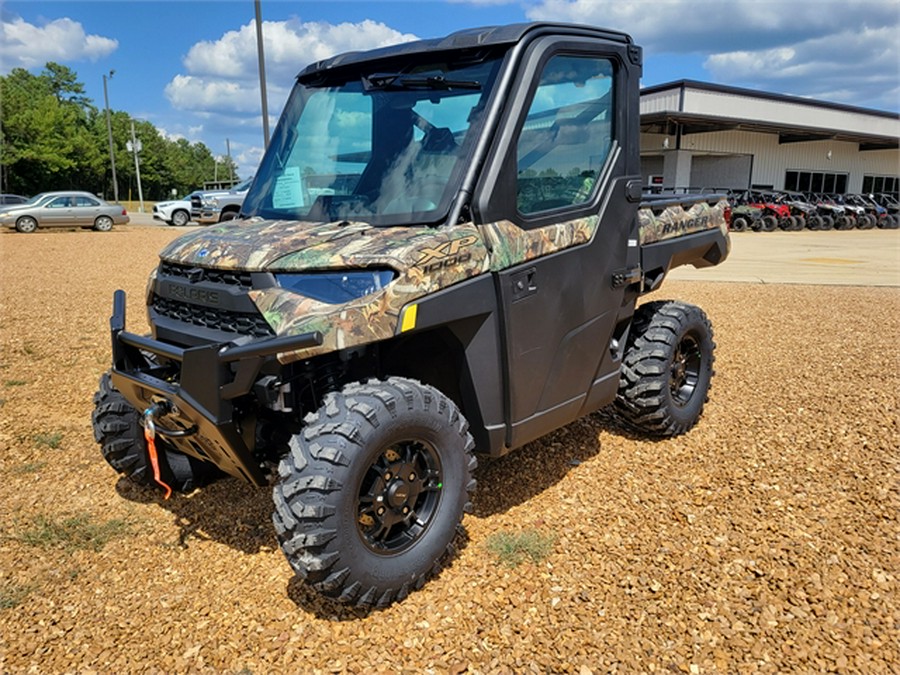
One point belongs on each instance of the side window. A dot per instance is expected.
(567, 134)
(86, 201)
(60, 203)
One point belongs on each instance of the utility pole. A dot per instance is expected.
(112, 154)
(261, 58)
(230, 164)
(136, 147)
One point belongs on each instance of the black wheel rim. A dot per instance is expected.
(398, 497)
(685, 372)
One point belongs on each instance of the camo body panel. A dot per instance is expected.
(675, 221)
(511, 245)
(426, 260)
(450, 257)
(265, 245)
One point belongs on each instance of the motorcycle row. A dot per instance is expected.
(767, 211)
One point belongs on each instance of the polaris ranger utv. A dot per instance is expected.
(440, 254)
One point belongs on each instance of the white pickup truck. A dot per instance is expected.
(215, 206)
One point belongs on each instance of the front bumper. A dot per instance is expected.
(201, 397)
(207, 215)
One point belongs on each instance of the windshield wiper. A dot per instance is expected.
(398, 81)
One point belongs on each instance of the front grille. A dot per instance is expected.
(195, 275)
(242, 323)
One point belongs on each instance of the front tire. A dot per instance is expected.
(739, 224)
(118, 430)
(667, 369)
(180, 218)
(370, 498)
(26, 224)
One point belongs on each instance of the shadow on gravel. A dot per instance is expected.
(308, 600)
(228, 511)
(515, 478)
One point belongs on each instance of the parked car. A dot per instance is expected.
(64, 209)
(11, 200)
(177, 213)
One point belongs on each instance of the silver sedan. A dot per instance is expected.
(63, 209)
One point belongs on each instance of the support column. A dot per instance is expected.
(677, 169)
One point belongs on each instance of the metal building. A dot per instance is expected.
(700, 135)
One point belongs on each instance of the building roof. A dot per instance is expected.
(690, 107)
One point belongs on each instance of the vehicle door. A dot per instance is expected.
(86, 210)
(59, 211)
(558, 207)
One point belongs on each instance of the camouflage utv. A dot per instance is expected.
(440, 255)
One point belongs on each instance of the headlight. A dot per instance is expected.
(335, 288)
(210, 202)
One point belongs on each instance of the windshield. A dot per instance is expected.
(38, 199)
(385, 148)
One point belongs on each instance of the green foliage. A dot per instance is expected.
(12, 594)
(51, 440)
(52, 137)
(28, 467)
(76, 533)
(514, 548)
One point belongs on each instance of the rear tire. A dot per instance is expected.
(369, 500)
(118, 430)
(103, 224)
(667, 369)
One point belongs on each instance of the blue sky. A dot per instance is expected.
(190, 67)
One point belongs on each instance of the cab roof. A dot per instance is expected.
(471, 38)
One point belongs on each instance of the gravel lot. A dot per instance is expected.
(765, 540)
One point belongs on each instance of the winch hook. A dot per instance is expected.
(156, 410)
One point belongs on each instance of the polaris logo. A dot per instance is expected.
(191, 294)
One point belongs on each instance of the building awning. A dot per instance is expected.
(688, 107)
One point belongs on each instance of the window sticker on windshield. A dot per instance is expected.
(288, 193)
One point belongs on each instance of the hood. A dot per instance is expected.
(278, 245)
(172, 203)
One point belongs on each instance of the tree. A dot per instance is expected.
(44, 130)
(52, 137)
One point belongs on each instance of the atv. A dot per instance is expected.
(440, 255)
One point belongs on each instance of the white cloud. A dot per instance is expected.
(25, 45)
(865, 68)
(223, 75)
(187, 92)
(843, 50)
(221, 87)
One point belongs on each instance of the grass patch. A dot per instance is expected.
(29, 467)
(79, 532)
(514, 548)
(12, 594)
(15, 383)
(50, 440)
